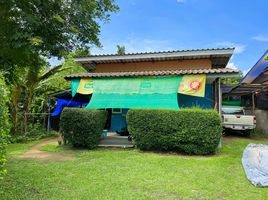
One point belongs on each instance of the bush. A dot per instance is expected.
(82, 127)
(4, 124)
(35, 132)
(191, 131)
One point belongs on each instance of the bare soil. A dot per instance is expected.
(35, 153)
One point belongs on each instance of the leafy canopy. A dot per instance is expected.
(29, 29)
(121, 50)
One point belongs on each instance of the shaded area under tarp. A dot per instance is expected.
(255, 163)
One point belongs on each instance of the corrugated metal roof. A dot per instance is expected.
(257, 70)
(162, 52)
(218, 56)
(153, 73)
(243, 89)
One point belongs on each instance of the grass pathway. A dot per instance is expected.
(36, 153)
(126, 173)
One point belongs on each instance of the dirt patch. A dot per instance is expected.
(232, 137)
(36, 154)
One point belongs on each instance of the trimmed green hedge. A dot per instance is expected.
(82, 127)
(191, 131)
(4, 124)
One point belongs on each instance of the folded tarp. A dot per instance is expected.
(61, 103)
(255, 163)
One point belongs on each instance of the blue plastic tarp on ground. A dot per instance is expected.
(255, 163)
(61, 103)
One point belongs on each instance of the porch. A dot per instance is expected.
(115, 140)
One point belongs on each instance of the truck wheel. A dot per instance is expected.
(246, 133)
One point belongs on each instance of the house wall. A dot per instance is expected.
(187, 101)
(118, 120)
(261, 118)
(155, 66)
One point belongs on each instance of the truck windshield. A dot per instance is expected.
(232, 111)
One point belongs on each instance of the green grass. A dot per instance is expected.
(131, 174)
(54, 147)
(19, 148)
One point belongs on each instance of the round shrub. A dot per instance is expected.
(82, 127)
(191, 131)
(4, 124)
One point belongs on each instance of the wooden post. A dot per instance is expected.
(48, 117)
(253, 103)
(215, 94)
(220, 95)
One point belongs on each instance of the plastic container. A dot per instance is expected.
(105, 133)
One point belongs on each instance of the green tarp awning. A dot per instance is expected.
(143, 92)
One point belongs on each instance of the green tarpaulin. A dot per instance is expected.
(155, 92)
(74, 86)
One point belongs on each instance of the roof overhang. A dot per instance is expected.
(219, 57)
(258, 72)
(222, 72)
(244, 89)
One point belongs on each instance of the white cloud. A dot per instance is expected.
(245, 71)
(239, 48)
(262, 38)
(134, 45)
(53, 61)
(181, 1)
(231, 65)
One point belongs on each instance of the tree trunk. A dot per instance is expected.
(15, 95)
(27, 105)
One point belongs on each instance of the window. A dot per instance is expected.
(116, 110)
(232, 111)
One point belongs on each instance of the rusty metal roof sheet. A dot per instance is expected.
(153, 73)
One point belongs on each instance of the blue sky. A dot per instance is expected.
(158, 25)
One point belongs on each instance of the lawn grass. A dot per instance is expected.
(54, 147)
(131, 174)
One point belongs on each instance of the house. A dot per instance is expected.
(252, 92)
(152, 80)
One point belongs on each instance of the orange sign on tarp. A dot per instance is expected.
(193, 85)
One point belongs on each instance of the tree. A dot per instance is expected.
(4, 123)
(26, 87)
(30, 29)
(233, 80)
(121, 50)
(31, 87)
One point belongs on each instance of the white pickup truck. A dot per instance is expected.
(234, 118)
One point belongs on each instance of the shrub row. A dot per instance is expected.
(82, 127)
(191, 131)
(4, 124)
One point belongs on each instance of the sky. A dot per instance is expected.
(160, 25)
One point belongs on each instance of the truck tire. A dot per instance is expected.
(246, 133)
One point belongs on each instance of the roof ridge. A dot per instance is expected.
(157, 52)
(152, 73)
